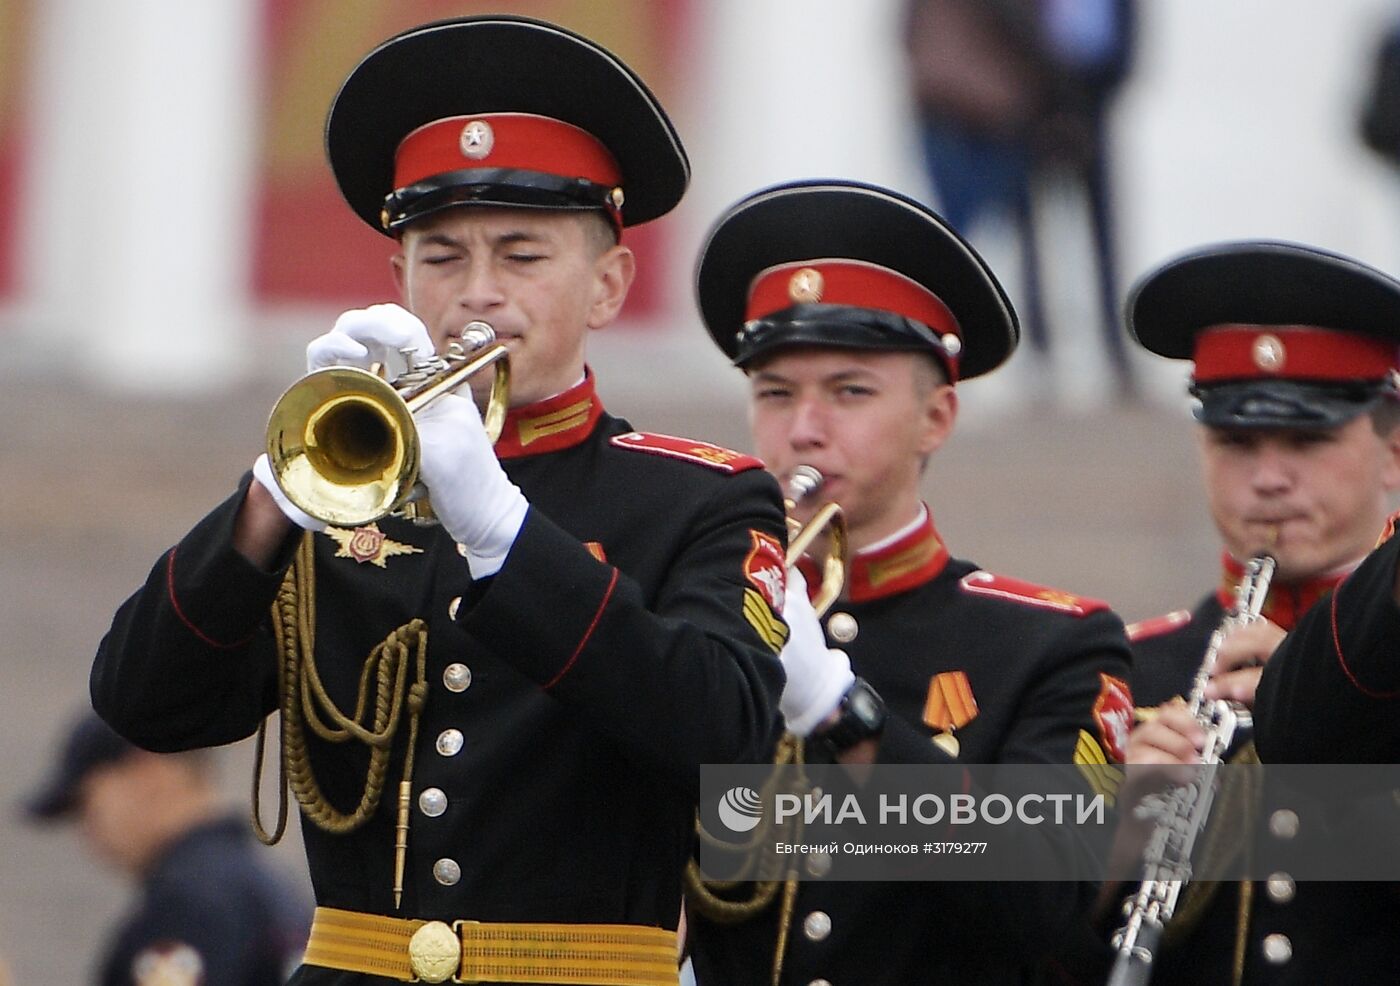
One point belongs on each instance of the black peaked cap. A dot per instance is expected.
(1259, 282)
(840, 219)
(500, 64)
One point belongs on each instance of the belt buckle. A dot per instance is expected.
(435, 953)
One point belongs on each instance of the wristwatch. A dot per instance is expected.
(862, 716)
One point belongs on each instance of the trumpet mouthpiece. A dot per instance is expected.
(803, 482)
(476, 335)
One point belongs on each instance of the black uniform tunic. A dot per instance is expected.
(1038, 664)
(210, 914)
(1293, 932)
(571, 697)
(1332, 692)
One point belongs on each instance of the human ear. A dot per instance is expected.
(613, 271)
(939, 413)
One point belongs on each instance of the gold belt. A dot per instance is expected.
(477, 952)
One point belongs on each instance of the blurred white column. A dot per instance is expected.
(796, 89)
(138, 204)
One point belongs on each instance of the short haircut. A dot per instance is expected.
(599, 232)
(1385, 416)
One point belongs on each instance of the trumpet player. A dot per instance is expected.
(1294, 355)
(493, 726)
(854, 311)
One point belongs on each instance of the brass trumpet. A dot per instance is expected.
(804, 482)
(342, 443)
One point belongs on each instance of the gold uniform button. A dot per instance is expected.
(1283, 824)
(432, 802)
(818, 864)
(449, 742)
(842, 627)
(447, 872)
(816, 926)
(1281, 888)
(1277, 949)
(453, 606)
(457, 677)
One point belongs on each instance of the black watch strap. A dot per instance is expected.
(862, 716)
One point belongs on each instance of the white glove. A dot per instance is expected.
(262, 472)
(817, 675)
(472, 496)
(363, 336)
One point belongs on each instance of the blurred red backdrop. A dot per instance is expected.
(15, 32)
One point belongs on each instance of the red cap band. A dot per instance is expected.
(504, 140)
(848, 282)
(1290, 352)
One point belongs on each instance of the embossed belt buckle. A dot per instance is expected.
(435, 953)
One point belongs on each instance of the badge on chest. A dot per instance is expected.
(368, 544)
(949, 706)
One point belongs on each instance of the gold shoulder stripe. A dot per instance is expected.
(770, 629)
(1093, 763)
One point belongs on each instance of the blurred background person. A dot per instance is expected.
(1012, 98)
(206, 912)
(1379, 119)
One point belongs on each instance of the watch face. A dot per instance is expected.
(863, 706)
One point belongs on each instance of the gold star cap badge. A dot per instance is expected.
(805, 286)
(477, 139)
(1269, 353)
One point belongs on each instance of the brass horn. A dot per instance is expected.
(342, 443)
(828, 520)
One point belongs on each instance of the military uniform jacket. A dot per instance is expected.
(209, 915)
(1331, 694)
(1294, 932)
(1032, 666)
(629, 637)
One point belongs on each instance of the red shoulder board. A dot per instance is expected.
(1028, 593)
(688, 449)
(1158, 625)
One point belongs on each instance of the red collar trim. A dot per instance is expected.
(558, 422)
(910, 561)
(1285, 604)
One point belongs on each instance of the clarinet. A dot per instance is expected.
(1181, 814)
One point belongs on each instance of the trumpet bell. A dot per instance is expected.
(343, 447)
